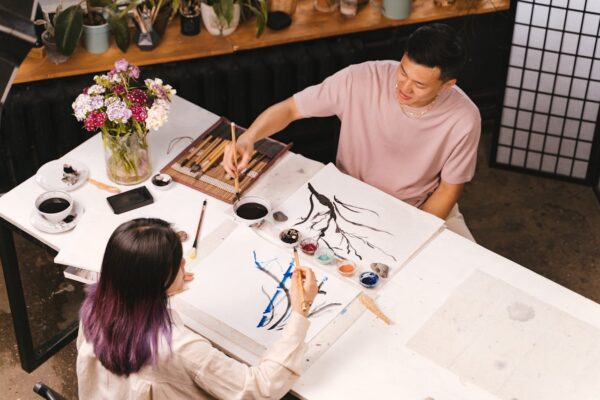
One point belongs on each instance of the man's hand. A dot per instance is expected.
(243, 149)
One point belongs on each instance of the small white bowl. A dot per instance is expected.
(251, 210)
(53, 200)
(162, 181)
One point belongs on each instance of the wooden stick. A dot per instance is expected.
(205, 154)
(300, 284)
(104, 186)
(236, 177)
(369, 303)
(193, 251)
(252, 164)
(217, 154)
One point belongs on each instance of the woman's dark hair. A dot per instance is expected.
(125, 314)
(437, 45)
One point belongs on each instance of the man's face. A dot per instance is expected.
(418, 85)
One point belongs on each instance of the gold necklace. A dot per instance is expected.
(417, 114)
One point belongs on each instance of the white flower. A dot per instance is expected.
(96, 102)
(82, 106)
(157, 114)
(96, 89)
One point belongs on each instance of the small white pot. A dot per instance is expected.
(218, 26)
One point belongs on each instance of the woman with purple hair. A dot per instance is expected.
(132, 345)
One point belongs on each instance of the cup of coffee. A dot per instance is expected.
(251, 210)
(54, 206)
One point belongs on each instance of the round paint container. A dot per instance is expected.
(324, 255)
(289, 237)
(368, 279)
(251, 210)
(162, 181)
(309, 245)
(346, 267)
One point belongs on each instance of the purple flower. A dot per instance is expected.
(94, 120)
(139, 113)
(137, 96)
(117, 111)
(118, 89)
(121, 65)
(96, 102)
(134, 72)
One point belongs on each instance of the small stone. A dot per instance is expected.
(279, 216)
(381, 269)
(183, 236)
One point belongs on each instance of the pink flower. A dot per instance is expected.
(118, 89)
(121, 65)
(94, 120)
(139, 113)
(85, 90)
(134, 72)
(137, 97)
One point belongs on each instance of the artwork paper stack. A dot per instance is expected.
(245, 284)
(358, 221)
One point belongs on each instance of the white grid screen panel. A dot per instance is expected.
(552, 96)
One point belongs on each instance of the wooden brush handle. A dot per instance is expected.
(369, 303)
(104, 186)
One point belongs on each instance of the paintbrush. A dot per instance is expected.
(205, 154)
(193, 251)
(300, 284)
(236, 177)
(217, 154)
(253, 163)
(193, 151)
(369, 303)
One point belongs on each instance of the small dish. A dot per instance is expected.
(162, 181)
(54, 206)
(52, 175)
(251, 210)
(346, 267)
(289, 237)
(309, 245)
(324, 255)
(65, 225)
(368, 279)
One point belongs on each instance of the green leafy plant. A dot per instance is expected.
(258, 8)
(65, 27)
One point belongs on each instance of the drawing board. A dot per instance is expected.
(244, 285)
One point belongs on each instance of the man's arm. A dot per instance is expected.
(270, 121)
(443, 199)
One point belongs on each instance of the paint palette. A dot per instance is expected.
(199, 165)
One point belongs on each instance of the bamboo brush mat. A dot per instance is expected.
(195, 168)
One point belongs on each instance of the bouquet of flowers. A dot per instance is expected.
(124, 112)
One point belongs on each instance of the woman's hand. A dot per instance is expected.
(244, 149)
(309, 284)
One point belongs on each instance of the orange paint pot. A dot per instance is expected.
(346, 268)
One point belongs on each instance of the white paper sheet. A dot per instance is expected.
(359, 221)
(181, 208)
(240, 285)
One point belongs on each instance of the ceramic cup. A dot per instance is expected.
(54, 206)
(251, 210)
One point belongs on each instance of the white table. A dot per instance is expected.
(449, 297)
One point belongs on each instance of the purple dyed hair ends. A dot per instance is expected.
(125, 315)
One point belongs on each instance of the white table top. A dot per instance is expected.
(443, 284)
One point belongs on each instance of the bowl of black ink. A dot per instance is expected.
(251, 210)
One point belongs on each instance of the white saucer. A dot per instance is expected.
(44, 225)
(50, 175)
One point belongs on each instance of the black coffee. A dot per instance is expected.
(53, 205)
(251, 211)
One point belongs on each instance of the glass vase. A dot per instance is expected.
(326, 5)
(126, 156)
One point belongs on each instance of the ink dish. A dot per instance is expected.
(346, 268)
(162, 181)
(251, 210)
(325, 255)
(289, 237)
(368, 279)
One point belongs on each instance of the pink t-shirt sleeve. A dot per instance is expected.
(460, 166)
(326, 98)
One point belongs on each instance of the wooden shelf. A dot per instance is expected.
(306, 25)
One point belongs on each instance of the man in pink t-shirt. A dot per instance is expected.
(407, 129)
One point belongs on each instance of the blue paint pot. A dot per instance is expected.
(368, 279)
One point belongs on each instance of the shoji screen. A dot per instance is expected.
(549, 122)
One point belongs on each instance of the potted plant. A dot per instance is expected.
(151, 18)
(189, 15)
(62, 31)
(221, 17)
